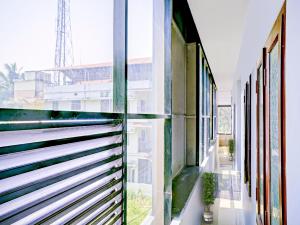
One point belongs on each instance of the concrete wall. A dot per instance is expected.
(191, 73)
(178, 100)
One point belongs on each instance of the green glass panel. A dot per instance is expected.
(274, 133)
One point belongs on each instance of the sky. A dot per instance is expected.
(28, 31)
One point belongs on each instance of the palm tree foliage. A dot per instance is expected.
(7, 80)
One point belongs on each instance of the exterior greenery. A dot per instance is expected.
(138, 207)
(7, 80)
(224, 120)
(208, 189)
(231, 146)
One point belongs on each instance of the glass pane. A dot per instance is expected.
(224, 120)
(274, 133)
(145, 141)
(261, 141)
(211, 110)
(215, 113)
(207, 113)
(202, 102)
(145, 57)
(56, 54)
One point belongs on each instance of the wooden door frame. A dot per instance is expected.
(277, 35)
(258, 217)
(249, 121)
(247, 128)
(261, 65)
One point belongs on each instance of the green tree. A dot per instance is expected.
(231, 147)
(7, 80)
(208, 189)
(13, 73)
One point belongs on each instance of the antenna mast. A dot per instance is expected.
(64, 47)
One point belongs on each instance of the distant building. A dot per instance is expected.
(90, 88)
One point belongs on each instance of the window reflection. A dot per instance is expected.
(54, 64)
(145, 57)
(144, 143)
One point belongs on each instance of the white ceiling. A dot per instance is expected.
(220, 24)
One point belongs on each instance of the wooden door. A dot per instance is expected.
(275, 210)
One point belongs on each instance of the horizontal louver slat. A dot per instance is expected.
(31, 125)
(38, 158)
(116, 220)
(9, 137)
(81, 213)
(27, 140)
(26, 201)
(67, 206)
(104, 211)
(62, 171)
(42, 175)
(108, 215)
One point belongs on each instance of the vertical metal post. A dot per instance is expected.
(168, 110)
(119, 55)
(120, 81)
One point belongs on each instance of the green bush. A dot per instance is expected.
(231, 146)
(208, 188)
(139, 206)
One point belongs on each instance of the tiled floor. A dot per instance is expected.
(228, 204)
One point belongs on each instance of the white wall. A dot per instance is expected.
(224, 97)
(260, 18)
(237, 100)
(293, 110)
(248, 203)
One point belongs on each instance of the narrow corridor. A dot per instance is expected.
(228, 204)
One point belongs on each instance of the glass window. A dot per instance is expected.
(211, 114)
(145, 171)
(70, 59)
(224, 120)
(145, 91)
(75, 105)
(207, 100)
(215, 112)
(146, 140)
(202, 109)
(105, 105)
(207, 110)
(55, 105)
(145, 57)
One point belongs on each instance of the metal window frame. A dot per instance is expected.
(120, 104)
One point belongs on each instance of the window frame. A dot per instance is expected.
(120, 91)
